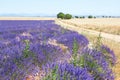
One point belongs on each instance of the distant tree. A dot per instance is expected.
(83, 17)
(76, 17)
(103, 16)
(80, 16)
(60, 15)
(106, 16)
(90, 16)
(110, 16)
(94, 17)
(67, 16)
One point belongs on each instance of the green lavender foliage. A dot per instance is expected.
(26, 50)
(81, 59)
(26, 54)
(98, 44)
(53, 74)
(75, 52)
(19, 61)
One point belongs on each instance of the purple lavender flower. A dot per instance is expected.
(68, 39)
(96, 64)
(108, 54)
(68, 71)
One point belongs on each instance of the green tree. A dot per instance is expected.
(83, 17)
(90, 16)
(68, 16)
(76, 17)
(61, 15)
(94, 16)
(103, 16)
(80, 16)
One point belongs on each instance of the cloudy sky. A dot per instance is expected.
(50, 7)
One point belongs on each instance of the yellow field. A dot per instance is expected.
(108, 25)
(26, 18)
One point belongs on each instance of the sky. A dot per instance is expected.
(52, 7)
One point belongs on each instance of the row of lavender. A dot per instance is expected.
(31, 47)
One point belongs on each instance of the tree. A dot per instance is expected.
(76, 17)
(68, 16)
(83, 17)
(103, 16)
(94, 16)
(61, 15)
(90, 16)
(110, 16)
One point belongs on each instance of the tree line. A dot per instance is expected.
(61, 15)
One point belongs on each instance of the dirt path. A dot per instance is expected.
(108, 36)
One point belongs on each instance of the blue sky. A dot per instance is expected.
(50, 7)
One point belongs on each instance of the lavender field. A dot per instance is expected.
(43, 50)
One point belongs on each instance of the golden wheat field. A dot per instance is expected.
(26, 18)
(108, 25)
